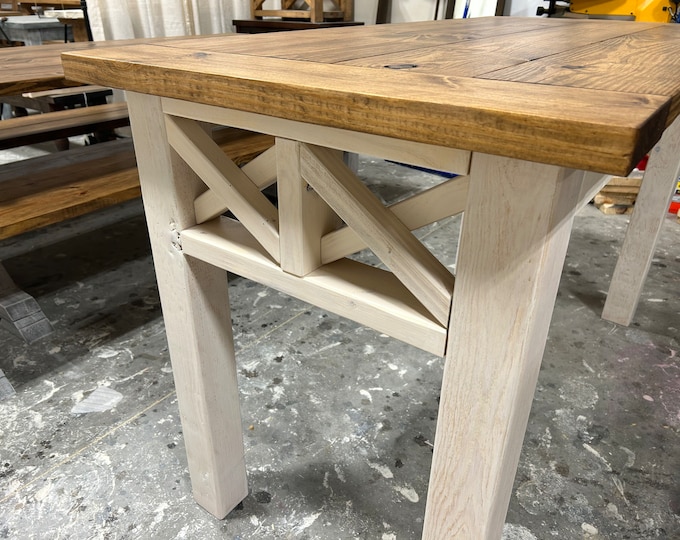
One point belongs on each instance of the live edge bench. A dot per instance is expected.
(52, 188)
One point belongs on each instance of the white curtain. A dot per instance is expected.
(124, 19)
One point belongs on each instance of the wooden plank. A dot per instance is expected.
(617, 63)
(501, 313)
(58, 92)
(658, 185)
(304, 216)
(501, 51)
(59, 124)
(347, 8)
(446, 199)
(195, 303)
(388, 238)
(254, 6)
(349, 44)
(315, 16)
(224, 178)
(241, 146)
(261, 171)
(49, 189)
(60, 186)
(28, 69)
(370, 296)
(629, 181)
(570, 128)
(424, 155)
(316, 11)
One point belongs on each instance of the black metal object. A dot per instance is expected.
(2, 31)
(675, 12)
(384, 14)
(88, 28)
(551, 10)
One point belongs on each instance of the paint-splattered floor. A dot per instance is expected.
(339, 420)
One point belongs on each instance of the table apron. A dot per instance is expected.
(423, 155)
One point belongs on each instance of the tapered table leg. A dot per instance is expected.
(513, 243)
(651, 207)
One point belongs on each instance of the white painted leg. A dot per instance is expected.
(645, 225)
(513, 244)
(195, 305)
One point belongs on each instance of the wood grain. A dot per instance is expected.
(658, 185)
(52, 188)
(493, 353)
(444, 200)
(36, 128)
(424, 155)
(28, 69)
(224, 178)
(261, 171)
(460, 96)
(635, 62)
(419, 270)
(364, 294)
(304, 215)
(195, 302)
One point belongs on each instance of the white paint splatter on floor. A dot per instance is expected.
(408, 493)
(382, 469)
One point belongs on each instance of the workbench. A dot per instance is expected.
(531, 113)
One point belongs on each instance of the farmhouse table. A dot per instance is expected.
(530, 112)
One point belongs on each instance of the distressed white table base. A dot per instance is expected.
(658, 185)
(509, 263)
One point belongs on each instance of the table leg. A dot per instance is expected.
(651, 207)
(195, 306)
(19, 311)
(513, 243)
(32, 37)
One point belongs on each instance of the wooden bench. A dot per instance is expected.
(100, 121)
(49, 189)
(50, 126)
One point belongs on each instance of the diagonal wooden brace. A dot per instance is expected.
(230, 183)
(389, 238)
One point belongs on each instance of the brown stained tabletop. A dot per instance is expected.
(581, 93)
(33, 69)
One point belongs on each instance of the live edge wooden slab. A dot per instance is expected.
(520, 108)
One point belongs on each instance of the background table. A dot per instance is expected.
(74, 18)
(522, 106)
(33, 30)
(34, 69)
(259, 26)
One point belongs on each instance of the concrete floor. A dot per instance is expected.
(339, 420)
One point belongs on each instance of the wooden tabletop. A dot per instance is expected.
(589, 94)
(32, 69)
